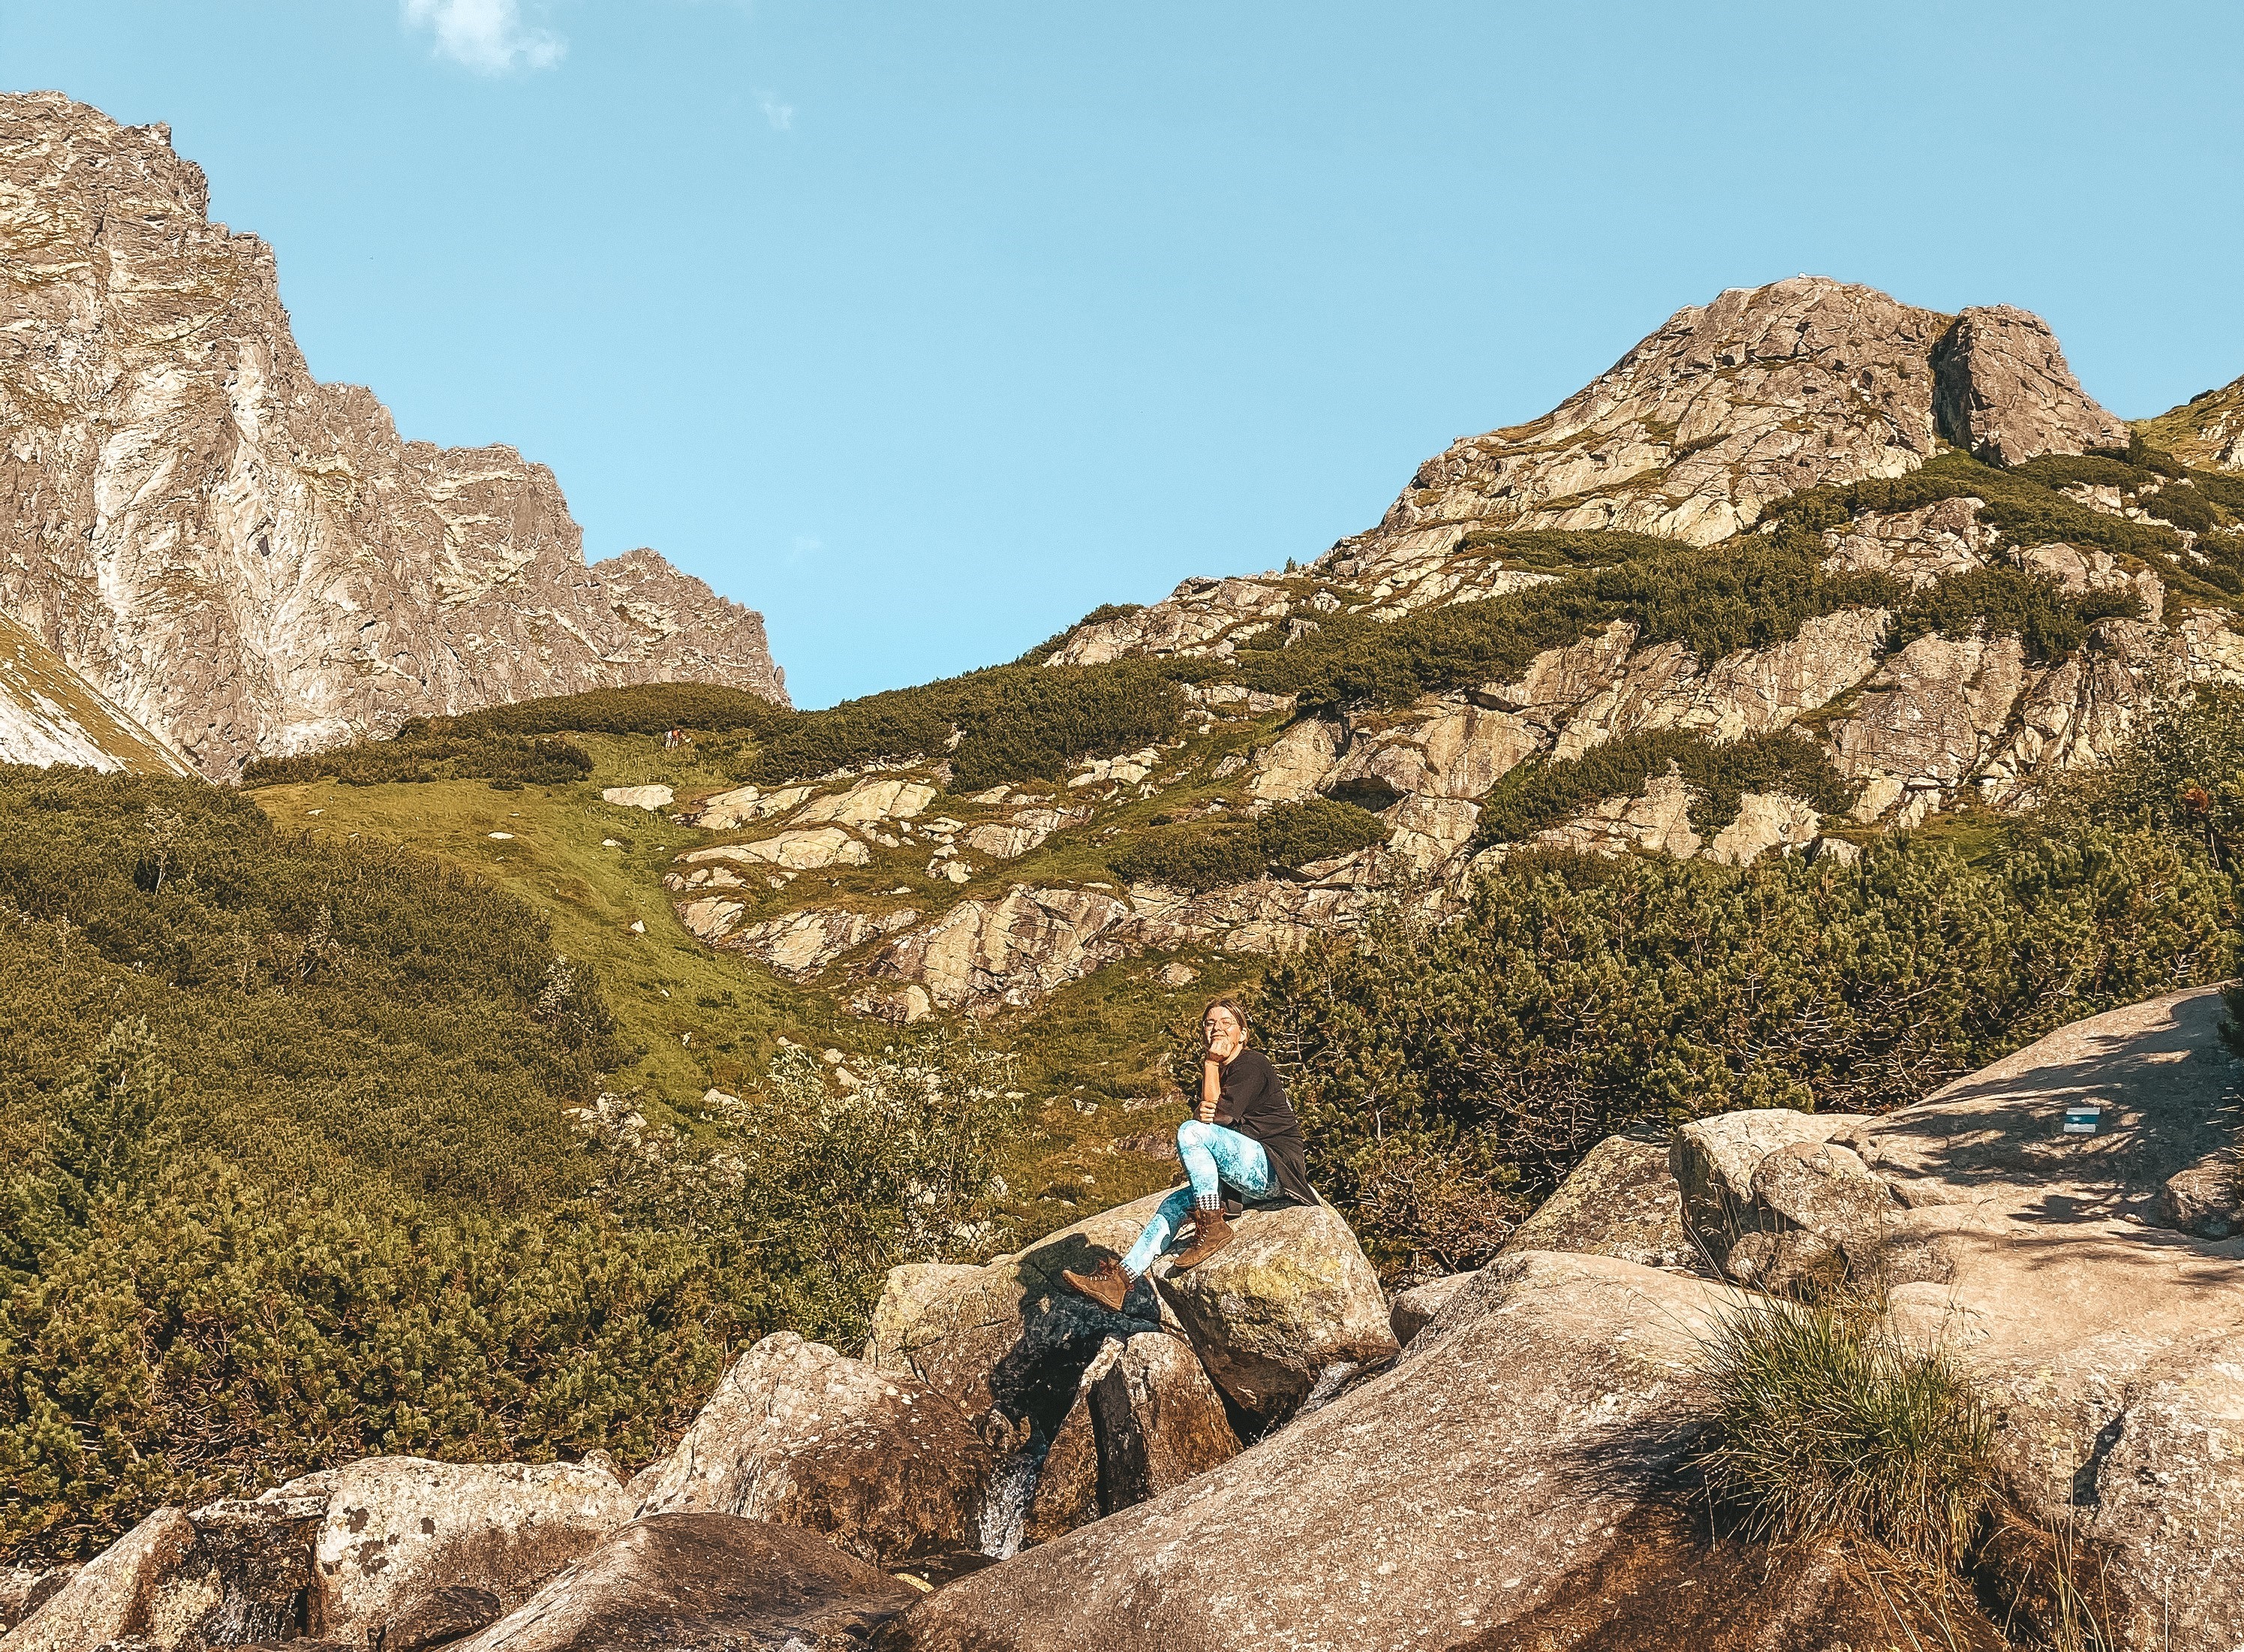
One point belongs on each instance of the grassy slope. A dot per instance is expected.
(705, 1017)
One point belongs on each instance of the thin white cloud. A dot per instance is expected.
(486, 36)
(781, 115)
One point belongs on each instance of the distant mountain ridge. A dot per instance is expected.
(243, 559)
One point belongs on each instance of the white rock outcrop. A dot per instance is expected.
(248, 561)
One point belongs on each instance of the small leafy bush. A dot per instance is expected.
(1825, 1423)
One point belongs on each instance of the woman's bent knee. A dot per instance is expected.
(1193, 1134)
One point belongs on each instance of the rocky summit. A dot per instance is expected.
(246, 561)
(1885, 478)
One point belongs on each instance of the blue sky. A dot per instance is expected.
(926, 327)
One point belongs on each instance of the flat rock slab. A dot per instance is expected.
(704, 1583)
(2112, 1341)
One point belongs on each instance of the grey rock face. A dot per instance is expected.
(1401, 1514)
(704, 1583)
(2005, 392)
(248, 561)
(877, 1461)
(1621, 1201)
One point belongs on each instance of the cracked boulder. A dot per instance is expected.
(704, 1582)
(877, 1462)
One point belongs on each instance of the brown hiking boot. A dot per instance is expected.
(1106, 1284)
(1210, 1233)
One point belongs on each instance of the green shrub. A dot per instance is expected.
(1210, 854)
(1541, 793)
(2050, 622)
(1317, 828)
(1010, 723)
(274, 1220)
(2029, 512)
(1195, 856)
(1748, 593)
(640, 709)
(509, 762)
(1575, 997)
(1825, 1423)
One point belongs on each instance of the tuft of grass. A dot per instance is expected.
(1828, 1424)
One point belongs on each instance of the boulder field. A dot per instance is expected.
(1268, 1452)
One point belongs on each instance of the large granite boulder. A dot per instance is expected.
(386, 1533)
(1286, 1302)
(1454, 1493)
(1621, 1201)
(1290, 1298)
(704, 1582)
(117, 1595)
(1714, 1162)
(1417, 1308)
(2110, 1340)
(24, 1589)
(1010, 1336)
(1159, 1419)
(397, 1547)
(880, 1463)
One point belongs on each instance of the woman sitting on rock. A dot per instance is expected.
(1244, 1138)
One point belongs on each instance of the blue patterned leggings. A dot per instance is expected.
(1215, 1158)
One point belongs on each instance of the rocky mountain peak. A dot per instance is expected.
(1732, 405)
(2003, 390)
(245, 561)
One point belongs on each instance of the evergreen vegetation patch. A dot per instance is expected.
(288, 1174)
(1449, 1077)
(1006, 724)
(1541, 793)
(2026, 504)
(2049, 621)
(419, 754)
(1198, 855)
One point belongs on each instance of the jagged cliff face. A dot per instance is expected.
(1735, 404)
(248, 561)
